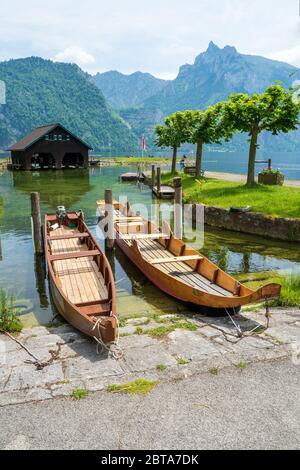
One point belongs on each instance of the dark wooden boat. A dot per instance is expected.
(178, 270)
(81, 280)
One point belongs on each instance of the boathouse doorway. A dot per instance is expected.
(73, 160)
(42, 161)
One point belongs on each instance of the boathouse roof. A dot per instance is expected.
(38, 134)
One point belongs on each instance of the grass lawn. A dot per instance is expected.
(139, 159)
(278, 201)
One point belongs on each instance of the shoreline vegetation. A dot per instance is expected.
(132, 160)
(9, 321)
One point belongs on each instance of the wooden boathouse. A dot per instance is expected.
(49, 146)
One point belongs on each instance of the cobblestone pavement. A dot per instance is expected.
(188, 345)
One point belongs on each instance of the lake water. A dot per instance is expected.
(236, 162)
(25, 277)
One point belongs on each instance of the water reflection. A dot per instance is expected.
(55, 187)
(25, 276)
(241, 253)
(40, 280)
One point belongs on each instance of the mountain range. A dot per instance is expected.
(112, 110)
(215, 74)
(128, 91)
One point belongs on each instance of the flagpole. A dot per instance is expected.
(143, 145)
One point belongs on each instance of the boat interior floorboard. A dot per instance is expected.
(81, 280)
(152, 250)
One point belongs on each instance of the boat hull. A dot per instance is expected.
(187, 294)
(84, 317)
(81, 323)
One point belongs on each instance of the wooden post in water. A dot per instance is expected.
(153, 176)
(109, 214)
(36, 224)
(178, 208)
(158, 183)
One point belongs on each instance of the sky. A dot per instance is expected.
(156, 36)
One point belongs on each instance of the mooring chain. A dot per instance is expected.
(54, 356)
(39, 364)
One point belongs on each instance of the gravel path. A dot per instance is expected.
(236, 178)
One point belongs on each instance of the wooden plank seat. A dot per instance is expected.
(69, 236)
(127, 219)
(76, 254)
(131, 224)
(91, 302)
(175, 259)
(96, 310)
(144, 236)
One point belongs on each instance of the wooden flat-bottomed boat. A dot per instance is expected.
(177, 269)
(81, 279)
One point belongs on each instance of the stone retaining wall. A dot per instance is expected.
(254, 223)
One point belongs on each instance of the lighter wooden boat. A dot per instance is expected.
(178, 270)
(81, 280)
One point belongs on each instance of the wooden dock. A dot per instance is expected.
(131, 177)
(164, 192)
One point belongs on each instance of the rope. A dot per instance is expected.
(238, 328)
(113, 348)
(240, 333)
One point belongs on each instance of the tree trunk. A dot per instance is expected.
(174, 160)
(199, 158)
(252, 157)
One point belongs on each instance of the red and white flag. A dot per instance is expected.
(144, 146)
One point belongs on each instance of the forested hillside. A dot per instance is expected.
(40, 91)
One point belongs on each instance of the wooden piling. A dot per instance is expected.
(158, 180)
(178, 231)
(109, 214)
(36, 224)
(153, 176)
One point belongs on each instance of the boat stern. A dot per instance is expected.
(107, 330)
(270, 291)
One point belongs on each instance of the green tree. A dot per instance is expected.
(174, 133)
(274, 111)
(207, 127)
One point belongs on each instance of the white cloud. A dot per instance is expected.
(156, 37)
(291, 56)
(75, 55)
